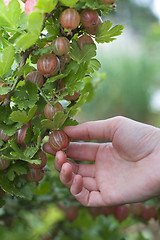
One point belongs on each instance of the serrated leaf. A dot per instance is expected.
(75, 109)
(6, 60)
(26, 96)
(94, 65)
(69, 3)
(21, 116)
(18, 168)
(84, 55)
(58, 120)
(10, 129)
(105, 33)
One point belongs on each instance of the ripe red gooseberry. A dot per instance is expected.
(35, 175)
(21, 133)
(4, 163)
(121, 213)
(50, 111)
(84, 39)
(61, 46)
(43, 158)
(89, 17)
(70, 18)
(4, 137)
(58, 140)
(92, 30)
(35, 77)
(2, 97)
(48, 64)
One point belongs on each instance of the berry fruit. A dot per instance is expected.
(43, 157)
(92, 30)
(35, 175)
(4, 164)
(89, 17)
(4, 137)
(2, 97)
(21, 133)
(70, 18)
(50, 111)
(61, 46)
(121, 213)
(58, 140)
(48, 64)
(84, 39)
(35, 77)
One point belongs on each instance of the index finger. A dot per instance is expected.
(103, 129)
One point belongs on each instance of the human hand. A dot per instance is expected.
(125, 170)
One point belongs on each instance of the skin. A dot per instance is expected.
(125, 169)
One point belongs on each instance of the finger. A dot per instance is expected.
(85, 170)
(47, 148)
(67, 176)
(83, 151)
(103, 129)
(85, 197)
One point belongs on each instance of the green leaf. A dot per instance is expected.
(10, 129)
(21, 116)
(94, 65)
(35, 22)
(18, 168)
(26, 40)
(10, 16)
(84, 55)
(69, 3)
(46, 5)
(75, 109)
(4, 90)
(105, 33)
(6, 60)
(58, 120)
(26, 96)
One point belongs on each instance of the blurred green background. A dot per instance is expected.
(132, 67)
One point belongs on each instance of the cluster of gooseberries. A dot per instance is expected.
(121, 213)
(51, 64)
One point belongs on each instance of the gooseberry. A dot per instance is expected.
(35, 175)
(48, 64)
(2, 97)
(49, 111)
(35, 77)
(58, 140)
(89, 17)
(61, 46)
(70, 18)
(4, 163)
(84, 39)
(43, 157)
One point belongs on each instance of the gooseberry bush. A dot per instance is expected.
(48, 70)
